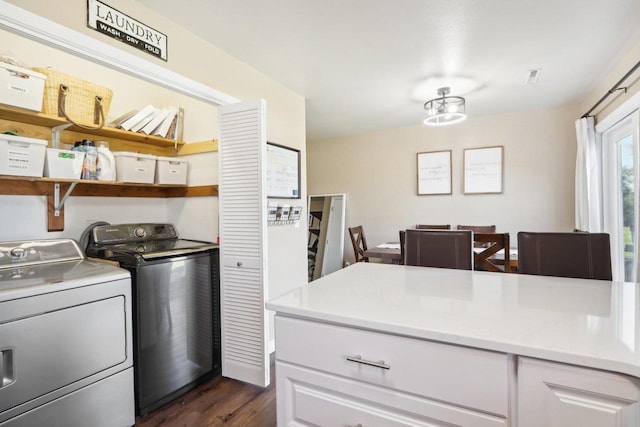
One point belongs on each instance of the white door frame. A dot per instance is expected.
(621, 113)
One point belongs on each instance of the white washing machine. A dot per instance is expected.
(66, 352)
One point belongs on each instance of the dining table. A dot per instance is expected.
(386, 251)
(391, 251)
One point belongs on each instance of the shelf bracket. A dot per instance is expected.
(55, 134)
(57, 202)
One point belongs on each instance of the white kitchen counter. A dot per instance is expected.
(588, 323)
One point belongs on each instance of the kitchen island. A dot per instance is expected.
(378, 344)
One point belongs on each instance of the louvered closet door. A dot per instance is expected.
(243, 275)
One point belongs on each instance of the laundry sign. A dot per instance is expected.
(117, 25)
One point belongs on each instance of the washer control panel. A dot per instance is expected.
(38, 252)
(128, 233)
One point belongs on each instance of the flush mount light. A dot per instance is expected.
(445, 110)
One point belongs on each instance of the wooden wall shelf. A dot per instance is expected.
(38, 125)
(27, 186)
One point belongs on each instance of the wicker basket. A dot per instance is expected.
(83, 103)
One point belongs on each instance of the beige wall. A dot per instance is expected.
(378, 173)
(621, 68)
(197, 60)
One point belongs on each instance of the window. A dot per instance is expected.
(621, 180)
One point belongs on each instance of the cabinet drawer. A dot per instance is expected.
(554, 394)
(459, 375)
(311, 398)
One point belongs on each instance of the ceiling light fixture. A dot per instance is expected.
(445, 110)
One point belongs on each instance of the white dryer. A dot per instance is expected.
(65, 338)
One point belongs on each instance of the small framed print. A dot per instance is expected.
(434, 172)
(483, 170)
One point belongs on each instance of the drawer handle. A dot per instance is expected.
(7, 373)
(358, 359)
(357, 425)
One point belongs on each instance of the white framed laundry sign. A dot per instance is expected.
(117, 25)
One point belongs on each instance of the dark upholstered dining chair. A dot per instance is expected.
(439, 248)
(580, 255)
(433, 227)
(359, 243)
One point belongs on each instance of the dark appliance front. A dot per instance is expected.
(176, 307)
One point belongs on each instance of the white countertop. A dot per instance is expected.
(589, 323)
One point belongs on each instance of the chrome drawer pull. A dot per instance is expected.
(358, 359)
(7, 373)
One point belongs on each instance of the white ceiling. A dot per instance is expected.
(360, 63)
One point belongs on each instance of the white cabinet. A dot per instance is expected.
(557, 395)
(335, 375)
(308, 397)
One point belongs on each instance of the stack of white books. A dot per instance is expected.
(164, 122)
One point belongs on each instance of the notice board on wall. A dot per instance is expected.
(283, 172)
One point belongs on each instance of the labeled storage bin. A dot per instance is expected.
(21, 156)
(63, 163)
(135, 167)
(171, 170)
(21, 87)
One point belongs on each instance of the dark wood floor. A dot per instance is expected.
(218, 402)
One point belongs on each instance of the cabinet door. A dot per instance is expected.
(557, 395)
(243, 225)
(306, 397)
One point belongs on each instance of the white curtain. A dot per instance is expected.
(588, 178)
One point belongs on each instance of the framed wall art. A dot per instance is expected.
(434, 172)
(483, 170)
(283, 172)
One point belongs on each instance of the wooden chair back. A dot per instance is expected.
(487, 245)
(478, 228)
(439, 248)
(580, 255)
(433, 227)
(402, 243)
(359, 243)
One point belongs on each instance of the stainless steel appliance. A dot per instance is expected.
(176, 306)
(65, 338)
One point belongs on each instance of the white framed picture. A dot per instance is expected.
(483, 170)
(434, 172)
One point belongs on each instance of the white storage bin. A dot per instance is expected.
(21, 87)
(21, 156)
(171, 170)
(135, 167)
(63, 163)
